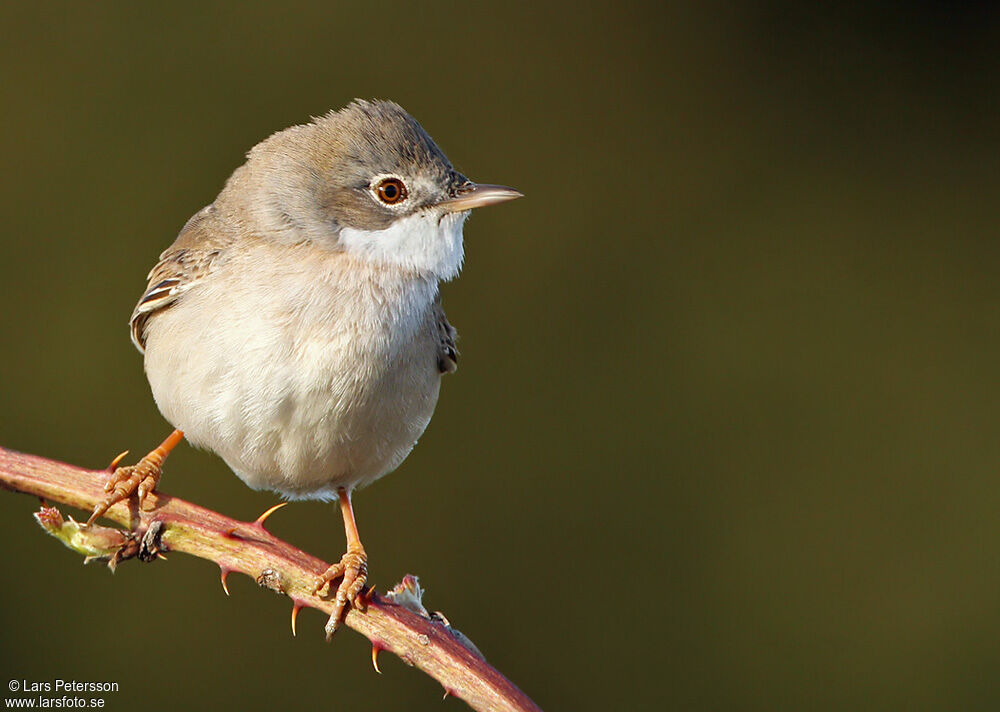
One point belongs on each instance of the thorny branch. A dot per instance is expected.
(395, 622)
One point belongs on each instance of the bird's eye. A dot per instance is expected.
(391, 191)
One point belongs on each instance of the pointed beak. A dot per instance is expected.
(476, 195)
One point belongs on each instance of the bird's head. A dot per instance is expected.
(366, 180)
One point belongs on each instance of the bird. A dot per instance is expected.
(295, 326)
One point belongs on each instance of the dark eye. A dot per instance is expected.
(391, 190)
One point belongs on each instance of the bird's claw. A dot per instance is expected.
(353, 567)
(140, 478)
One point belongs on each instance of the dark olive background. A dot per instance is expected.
(725, 430)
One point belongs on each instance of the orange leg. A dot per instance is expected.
(353, 566)
(140, 478)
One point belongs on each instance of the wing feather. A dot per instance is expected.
(194, 254)
(447, 336)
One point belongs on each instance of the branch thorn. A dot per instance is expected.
(375, 651)
(118, 458)
(296, 607)
(225, 573)
(259, 522)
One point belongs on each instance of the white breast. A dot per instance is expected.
(305, 371)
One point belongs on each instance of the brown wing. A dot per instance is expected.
(194, 253)
(447, 353)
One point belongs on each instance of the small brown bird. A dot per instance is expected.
(295, 326)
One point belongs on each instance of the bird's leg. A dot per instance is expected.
(353, 566)
(141, 477)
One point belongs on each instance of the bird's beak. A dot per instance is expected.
(476, 195)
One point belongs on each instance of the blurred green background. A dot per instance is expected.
(725, 431)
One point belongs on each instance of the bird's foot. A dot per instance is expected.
(140, 478)
(353, 566)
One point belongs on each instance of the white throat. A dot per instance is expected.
(425, 242)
